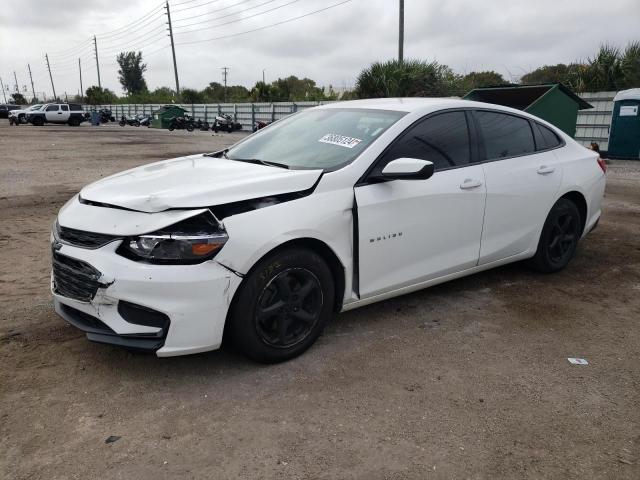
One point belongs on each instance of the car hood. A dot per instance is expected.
(195, 181)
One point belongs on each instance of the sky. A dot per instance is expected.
(511, 37)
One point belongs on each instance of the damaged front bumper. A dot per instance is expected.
(166, 309)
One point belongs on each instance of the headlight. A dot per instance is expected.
(191, 241)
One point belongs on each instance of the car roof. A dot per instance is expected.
(420, 104)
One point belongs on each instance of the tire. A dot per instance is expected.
(38, 121)
(136, 123)
(171, 127)
(270, 321)
(190, 127)
(74, 122)
(559, 238)
(215, 128)
(229, 128)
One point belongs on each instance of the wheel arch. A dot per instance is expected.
(581, 202)
(321, 248)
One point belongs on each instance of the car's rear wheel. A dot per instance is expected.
(559, 238)
(282, 306)
(38, 121)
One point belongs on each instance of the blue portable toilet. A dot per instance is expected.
(624, 134)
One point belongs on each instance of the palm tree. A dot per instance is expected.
(409, 78)
(630, 65)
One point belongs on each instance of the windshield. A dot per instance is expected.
(316, 139)
(35, 107)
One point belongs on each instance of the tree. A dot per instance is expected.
(189, 95)
(131, 72)
(19, 99)
(100, 96)
(630, 65)
(410, 78)
(481, 79)
(604, 71)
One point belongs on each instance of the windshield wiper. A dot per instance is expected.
(257, 161)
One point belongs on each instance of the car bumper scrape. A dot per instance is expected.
(166, 309)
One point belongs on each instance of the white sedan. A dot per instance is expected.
(327, 210)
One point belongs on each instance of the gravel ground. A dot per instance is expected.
(469, 379)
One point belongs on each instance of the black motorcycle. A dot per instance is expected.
(105, 115)
(134, 122)
(202, 126)
(181, 123)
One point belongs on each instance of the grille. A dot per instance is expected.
(83, 239)
(74, 278)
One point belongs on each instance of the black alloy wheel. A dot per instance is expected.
(282, 305)
(288, 308)
(559, 237)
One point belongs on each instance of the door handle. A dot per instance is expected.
(470, 183)
(544, 170)
(59, 113)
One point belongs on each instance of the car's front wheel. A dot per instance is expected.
(559, 238)
(282, 306)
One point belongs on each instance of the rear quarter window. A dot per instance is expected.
(504, 135)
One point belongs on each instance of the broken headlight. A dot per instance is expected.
(193, 240)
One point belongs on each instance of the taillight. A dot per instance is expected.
(603, 164)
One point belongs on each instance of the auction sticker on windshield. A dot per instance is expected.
(340, 140)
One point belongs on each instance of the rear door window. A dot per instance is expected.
(551, 139)
(442, 139)
(504, 135)
(65, 108)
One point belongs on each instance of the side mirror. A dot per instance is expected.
(408, 169)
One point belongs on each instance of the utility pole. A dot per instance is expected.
(225, 71)
(263, 75)
(401, 33)
(31, 78)
(3, 92)
(51, 77)
(95, 49)
(16, 79)
(80, 70)
(173, 50)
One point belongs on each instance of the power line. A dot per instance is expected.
(137, 29)
(266, 26)
(195, 6)
(184, 3)
(217, 10)
(132, 24)
(239, 19)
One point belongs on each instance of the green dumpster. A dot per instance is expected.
(624, 134)
(162, 117)
(552, 102)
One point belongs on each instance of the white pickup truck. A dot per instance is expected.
(16, 117)
(70, 113)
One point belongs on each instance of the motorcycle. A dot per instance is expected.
(145, 120)
(259, 124)
(225, 122)
(134, 122)
(181, 123)
(202, 126)
(105, 115)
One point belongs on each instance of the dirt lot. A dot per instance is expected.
(465, 380)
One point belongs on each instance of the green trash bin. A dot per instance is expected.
(162, 117)
(552, 102)
(624, 133)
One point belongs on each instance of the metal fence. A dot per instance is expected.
(593, 124)
(244, 113)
